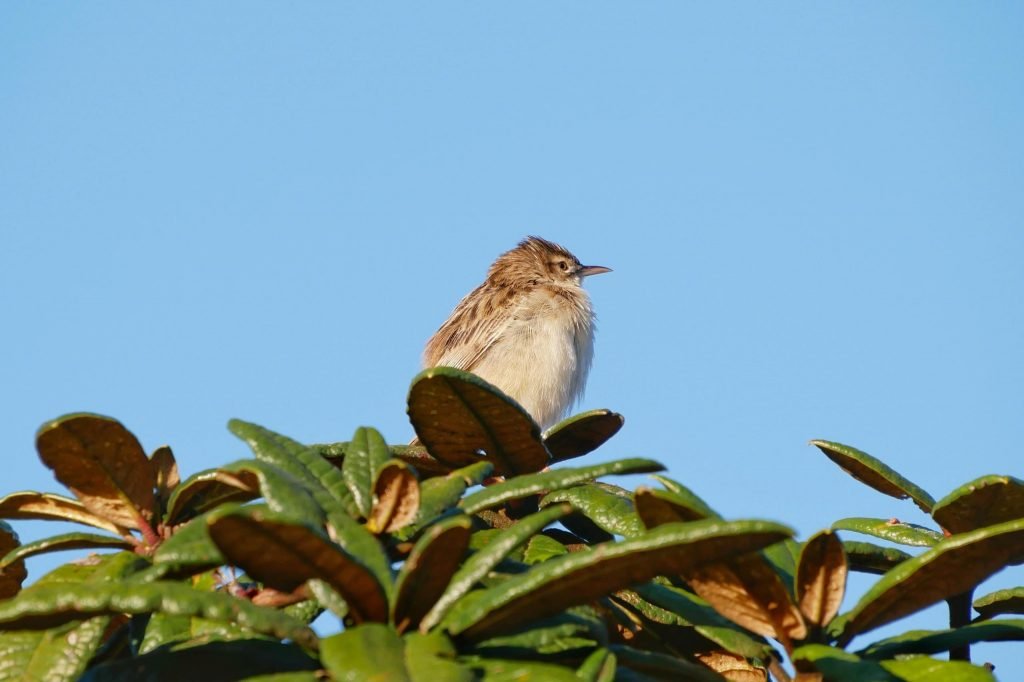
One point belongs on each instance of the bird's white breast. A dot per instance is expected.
(543, 356)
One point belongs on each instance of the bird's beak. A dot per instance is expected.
(588, 270)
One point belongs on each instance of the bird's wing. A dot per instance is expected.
(473, 327)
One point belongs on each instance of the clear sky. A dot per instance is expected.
(814, 211)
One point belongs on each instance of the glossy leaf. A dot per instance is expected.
(283, 554)
(691, 610)
(102, 463)
(579, 628)
(13, 575)
(53, 605)
(662, 666)
(532, 484)
(933, 642)
(581, 434)
(686, 497)
(189, 551)
(441, 493)
(429, 568)
(892, 530)
(431, 658)
(868, 558)
(610, 509)
(578, 578)
(367, 452)
(457, 415)
(50, 507)
(952, 567)
(63, 542)
(61, 653)
(1001, 602)
(985, 501)
(821, 578)
(732, 667)
(841, 666)
(541, 548)
(500, 670)
(282, 492)
(481, 563)
(396, 498)
(234, 660)
(326, 483)
(874, 473)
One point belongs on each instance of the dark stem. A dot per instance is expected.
(959, 616)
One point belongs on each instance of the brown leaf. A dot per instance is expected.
(396, 498)
(50, 507)
(750, 593)
(428, 570)
(165, 469)
(15, 574)
(821, 578)
(732, 667)
(102, 463)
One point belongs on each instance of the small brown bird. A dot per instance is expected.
(528, 329)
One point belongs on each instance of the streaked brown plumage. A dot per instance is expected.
(528, 329)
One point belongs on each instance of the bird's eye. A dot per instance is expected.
(563, 265)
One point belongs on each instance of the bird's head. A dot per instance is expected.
(537, 261)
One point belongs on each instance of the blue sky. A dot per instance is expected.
(814, 213)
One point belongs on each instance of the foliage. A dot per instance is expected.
(475, 557)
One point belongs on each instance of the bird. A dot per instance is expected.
(528, 329)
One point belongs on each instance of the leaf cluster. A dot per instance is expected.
(474, 554)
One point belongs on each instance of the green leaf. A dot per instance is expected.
(541, 548)
(839, 666)
(227, 661)
(53, 605)
(428, 570)
(283, 554)
(366, 454)
(692, 610)
(190, 550)
(102, 463)
(50, 507)
(14, 575)
(892, 530)
(874, 473)
(925, 669)
(1000, 602)
(282, 492)
(458, 416)
(821, 577)
(868, 558)
(610, 507)
(328, 597)
(687, 498)
(985, 501)
(578, 578)
(325, 482)
(441, 493)
(952, 567)
(59, 543)
(576, 629)
(662, 666)
(936, 641)
(598, 667)
(62, 653)
(498, 670)
(430, 658)
(532, 484)
(581, 434)
(481, 563)
(372, 651)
